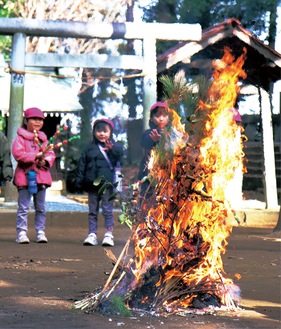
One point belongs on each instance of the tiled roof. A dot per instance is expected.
(263, 64)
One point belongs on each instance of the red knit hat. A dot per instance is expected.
(159, 104)
(33, 112)
(109, 122)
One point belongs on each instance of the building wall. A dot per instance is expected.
(253, 129)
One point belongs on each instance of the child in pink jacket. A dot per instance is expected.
(29, 150)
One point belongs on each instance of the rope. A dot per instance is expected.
(130, 76)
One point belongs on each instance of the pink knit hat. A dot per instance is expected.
(159, 104)
(109, 122)
(33, 112)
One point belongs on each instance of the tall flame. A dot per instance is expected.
(183, 233)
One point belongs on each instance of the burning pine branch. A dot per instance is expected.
(180, 232)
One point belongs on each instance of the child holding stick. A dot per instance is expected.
(33, 157)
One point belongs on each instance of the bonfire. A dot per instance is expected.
(179, 234)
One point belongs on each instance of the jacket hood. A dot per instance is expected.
(30, 135)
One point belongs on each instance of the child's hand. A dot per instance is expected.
(41, 163)
(108, 145)
(39, 155)
(155, 136)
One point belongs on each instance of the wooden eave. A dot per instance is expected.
(262, 65)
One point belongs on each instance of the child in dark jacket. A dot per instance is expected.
(159, 119)
(99, 159)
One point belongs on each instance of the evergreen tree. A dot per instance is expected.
(257, 16)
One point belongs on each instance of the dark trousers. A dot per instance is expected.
(94, 201)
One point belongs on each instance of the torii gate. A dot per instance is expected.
(149, 33)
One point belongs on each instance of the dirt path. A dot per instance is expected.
(40, 282)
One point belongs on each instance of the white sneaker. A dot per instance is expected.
(41, 237)
(22, 238)
(108, 239)
(91, 240)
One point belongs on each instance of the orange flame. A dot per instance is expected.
(184, 231)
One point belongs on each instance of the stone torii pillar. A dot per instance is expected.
(16, 101)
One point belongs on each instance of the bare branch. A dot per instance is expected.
(75, 10)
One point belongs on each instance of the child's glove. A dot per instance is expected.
(108, 145)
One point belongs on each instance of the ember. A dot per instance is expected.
(180, 233)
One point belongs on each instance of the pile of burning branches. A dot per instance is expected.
(180, 232)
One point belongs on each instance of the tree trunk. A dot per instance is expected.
(272, 30)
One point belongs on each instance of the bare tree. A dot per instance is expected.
(70, 10)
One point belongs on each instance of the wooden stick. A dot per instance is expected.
(115, 285)
(98, 300)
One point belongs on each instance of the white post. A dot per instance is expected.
(150, 77)
(268, 152)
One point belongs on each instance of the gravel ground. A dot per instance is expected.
(54, 203)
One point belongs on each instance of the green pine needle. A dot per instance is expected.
(118, 306)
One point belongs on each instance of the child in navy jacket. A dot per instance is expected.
(99, 159)
(159, 119)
